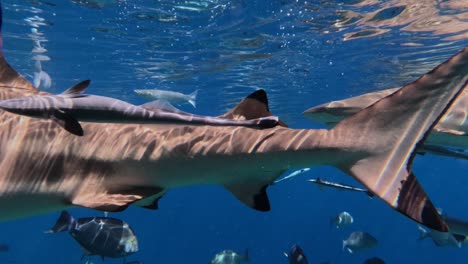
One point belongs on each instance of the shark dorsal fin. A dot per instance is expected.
(253, 106)
(77, 89)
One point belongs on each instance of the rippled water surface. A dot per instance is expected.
(303, 53)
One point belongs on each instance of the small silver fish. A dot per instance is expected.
(170, 96)
(230, 257)
(342, 220)
(359, 241)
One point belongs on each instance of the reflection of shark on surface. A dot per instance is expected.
(449, 137)
(112, 166)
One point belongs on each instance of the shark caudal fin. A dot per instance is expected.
(252, 107)
(12, 84)
(382, 140)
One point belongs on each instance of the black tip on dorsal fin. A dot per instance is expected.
(261, 96)
(252, 107)
(77, 88)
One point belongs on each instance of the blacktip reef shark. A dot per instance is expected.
(44, 168)
(71, 106)
(449, 137)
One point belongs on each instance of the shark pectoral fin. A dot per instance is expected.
(67, 122)
(253, 106)
(106, 202)
(151, 202)
(77, 89)
(254, 196)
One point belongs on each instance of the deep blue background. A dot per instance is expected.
(227, 49)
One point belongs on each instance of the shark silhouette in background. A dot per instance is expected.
(44, 168)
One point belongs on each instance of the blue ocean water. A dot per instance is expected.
(302, 53)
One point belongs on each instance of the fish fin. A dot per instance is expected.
(68, 122)
(381, 141)
(254, 196)
(64, 223)
(252, 107)
(77, 89)
(193, 98)
(11, 80)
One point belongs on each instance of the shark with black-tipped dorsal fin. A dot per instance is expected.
(449, 137)
(71, 106)
(45, 168)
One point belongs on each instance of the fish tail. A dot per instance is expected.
(193, 98)
(64, 223)
(380, 142)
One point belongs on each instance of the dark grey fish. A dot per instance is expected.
(296, 255)
(72, 106)
(102, 236)
(374, 260)
(358, 241)
(341, 186)
(230, 257)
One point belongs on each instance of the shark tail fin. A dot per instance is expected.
(11, 82)
(193, 98)
(381, 141)
(252, 107)
(64, 223)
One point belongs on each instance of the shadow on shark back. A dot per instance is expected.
(45, 168)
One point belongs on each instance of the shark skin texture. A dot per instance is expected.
(449, 137)
(44, 168)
